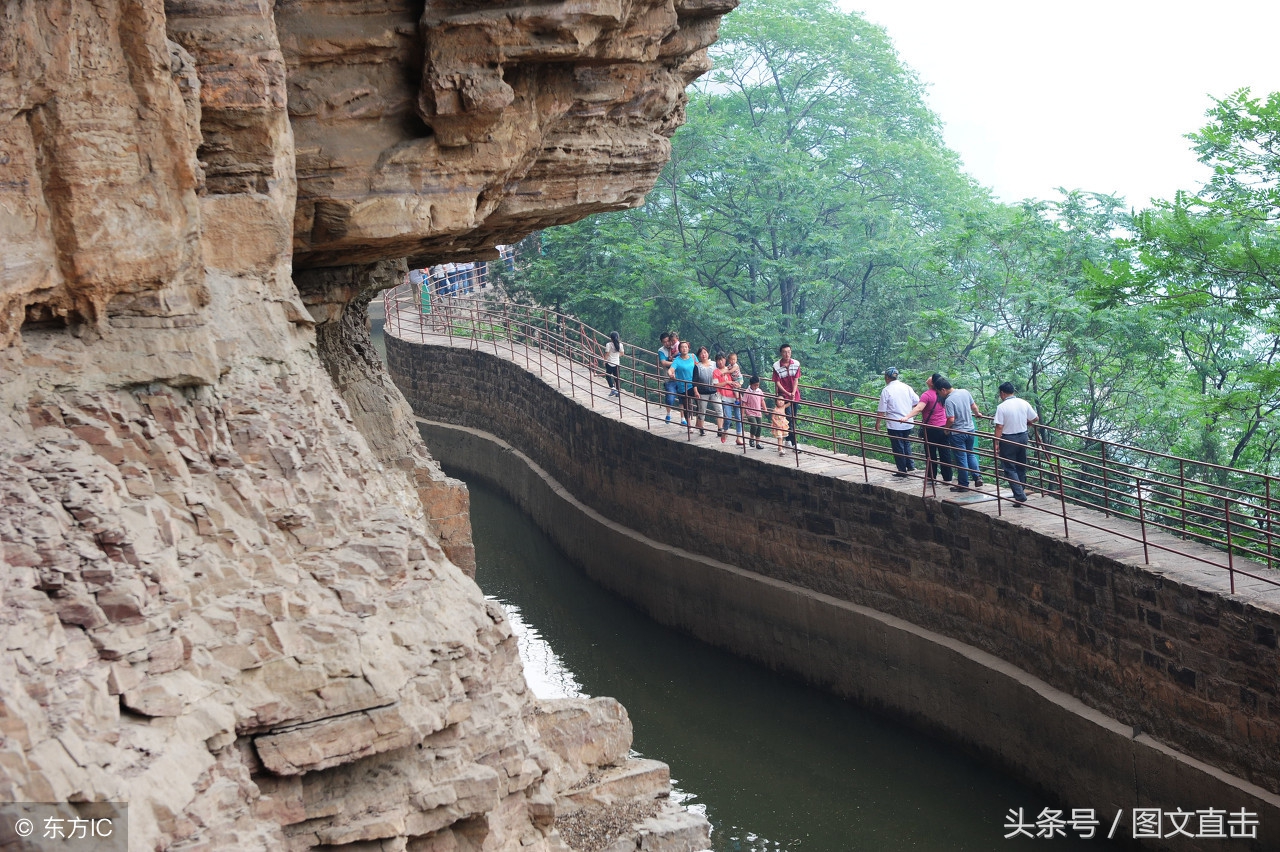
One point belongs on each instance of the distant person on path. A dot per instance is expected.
(734, 407)
(933, 417)
(666, 354)
(779, 421)
(466, 277)
(961, 409)
(613, 359)
(417, 279)
(786, 381)
(896, 401)
(420, 279)
(753, 407)
(704, 379)
(1013, 418)
(682, 371)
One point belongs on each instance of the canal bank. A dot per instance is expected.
(934, 683)
(773, 764)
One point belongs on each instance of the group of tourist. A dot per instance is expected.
(459, 279)
(950, 434)
(712, 393)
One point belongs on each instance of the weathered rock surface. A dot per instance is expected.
(606, 799)
(231, 591)
(477, 124)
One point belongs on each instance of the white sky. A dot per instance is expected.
(1083, 95)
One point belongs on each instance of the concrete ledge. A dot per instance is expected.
(938, 684)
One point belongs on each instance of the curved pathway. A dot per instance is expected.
(1111, 536)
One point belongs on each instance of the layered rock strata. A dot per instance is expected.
(231, 591)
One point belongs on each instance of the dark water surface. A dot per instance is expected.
(773, 764)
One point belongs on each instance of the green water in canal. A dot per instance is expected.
(773, 764)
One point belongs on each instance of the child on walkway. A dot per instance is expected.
(753, 405)
(781, 428)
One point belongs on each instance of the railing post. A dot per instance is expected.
(831, 413)
(1039, 449)
(588, 359)
(568, 351)
(506, 332)
(1231, 561)
(795, 428)
(644, 377)
(1062, 497)
(1266, 519)
(862, 448)
(617, 381)
(995, 476)
(523, 325)
(929, 481)
(1142, 520)
(1182, 495)
(1106, 488)
(546, 340)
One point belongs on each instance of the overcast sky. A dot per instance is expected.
(1084, 95)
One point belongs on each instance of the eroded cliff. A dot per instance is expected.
(231, 591)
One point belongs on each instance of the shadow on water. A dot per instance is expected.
(774, 764)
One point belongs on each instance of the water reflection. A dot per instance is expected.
(545, 672)
(773, 764)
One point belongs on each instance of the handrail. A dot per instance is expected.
(1234, 517)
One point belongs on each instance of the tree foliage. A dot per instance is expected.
(1208, 264)
(810, 199)
(808, 181)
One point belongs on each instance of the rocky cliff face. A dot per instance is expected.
(231, 592)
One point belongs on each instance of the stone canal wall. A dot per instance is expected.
(1070, 667)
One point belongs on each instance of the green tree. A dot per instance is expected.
(1020, 310)
(808, 183)
(1209, 263)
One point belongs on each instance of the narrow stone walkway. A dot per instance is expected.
(1115, 537)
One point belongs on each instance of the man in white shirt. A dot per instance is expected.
(1013, 418)
(896, 401)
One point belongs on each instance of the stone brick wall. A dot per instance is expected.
(1197, 670)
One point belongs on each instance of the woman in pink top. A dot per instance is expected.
(934, 428)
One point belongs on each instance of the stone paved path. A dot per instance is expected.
(1118, 538)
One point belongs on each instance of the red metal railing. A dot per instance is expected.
(1155, 499)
